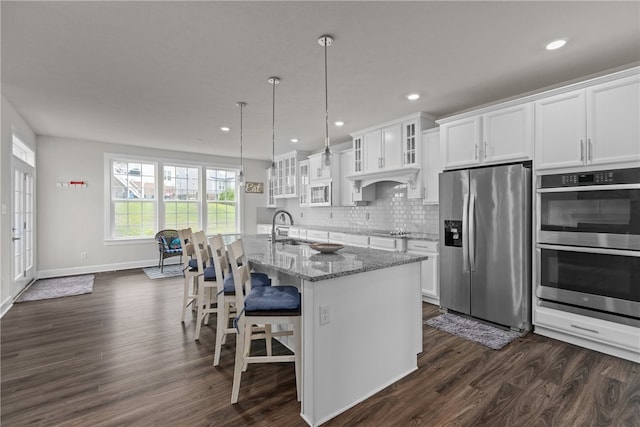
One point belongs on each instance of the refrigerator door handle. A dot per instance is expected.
(472, 233)
(465, 233)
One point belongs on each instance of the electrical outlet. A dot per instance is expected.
(324, 315)
(83, 255)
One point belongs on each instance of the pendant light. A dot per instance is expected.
(241, 174)
(274, 81)
(326, 41)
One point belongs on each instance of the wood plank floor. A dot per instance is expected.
(121, 356)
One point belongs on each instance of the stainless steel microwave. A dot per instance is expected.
(320, 193)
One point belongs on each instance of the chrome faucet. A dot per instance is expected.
(273, 223)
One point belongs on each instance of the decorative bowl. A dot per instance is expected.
(326, 248)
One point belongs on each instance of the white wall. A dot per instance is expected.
(10, 120)
(71, 220)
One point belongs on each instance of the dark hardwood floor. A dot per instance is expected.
(121, 356)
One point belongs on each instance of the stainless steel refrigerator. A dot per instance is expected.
(485, 244)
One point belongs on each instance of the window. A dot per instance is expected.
(181, 197)
(24, 153)
(133, 199)
(146, 195)
(222, 204)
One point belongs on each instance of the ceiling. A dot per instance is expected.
(168, 74)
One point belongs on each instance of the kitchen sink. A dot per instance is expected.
(290, 242)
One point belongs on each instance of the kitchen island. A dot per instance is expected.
(361, 319)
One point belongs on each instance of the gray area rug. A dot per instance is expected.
(57, 288)
(472, 330)
(171, 270)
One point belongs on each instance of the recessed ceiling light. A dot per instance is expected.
(339, 123)
(413, 96)
(225, 128)
(294, 140)
(556, 44)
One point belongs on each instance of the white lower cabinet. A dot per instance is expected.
(263, 229)
(430, 273)
(339, 238)
(600, 335)
(386, 243)
(318, 236)
(357, 240)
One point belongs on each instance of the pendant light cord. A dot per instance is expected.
(326, 98)
(273, 125)
(241, 159)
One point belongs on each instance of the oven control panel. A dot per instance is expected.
(604, 177)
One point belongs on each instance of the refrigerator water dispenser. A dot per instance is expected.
(452, 233)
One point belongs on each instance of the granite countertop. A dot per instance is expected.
(369, 232)
(301, 261)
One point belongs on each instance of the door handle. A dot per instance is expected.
(465, 234)
(589, 150)
(472, 233)
(581, 150)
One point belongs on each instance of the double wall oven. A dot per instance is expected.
(588, 243)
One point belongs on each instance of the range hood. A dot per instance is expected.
(406, 175)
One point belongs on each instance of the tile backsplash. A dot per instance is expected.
(391, 210)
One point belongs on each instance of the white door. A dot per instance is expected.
(22, 227)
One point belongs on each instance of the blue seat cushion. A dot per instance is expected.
(257, 279)
(268, 298)
(209, 273)
(193, 264)
(173, 251)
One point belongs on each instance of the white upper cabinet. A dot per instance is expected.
(613, 121)
(596, 125)
(286, 178)
(560, 130)
(431, 165)
(508, 134)
(303, 179)
(319, 171)
(271, 184)
(497, 136)
(411, 143)
(358, 159)
(390, 146)
(460, 142)
(372, 150)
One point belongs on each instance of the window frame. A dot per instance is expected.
(160, 206)
(163, 202)
(110, 217)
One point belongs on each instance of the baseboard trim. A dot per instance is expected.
(6, 305)
(99, 268)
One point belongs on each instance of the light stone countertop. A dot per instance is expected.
(308, 264)
(366, 231)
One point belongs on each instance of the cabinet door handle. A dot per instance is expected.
(581, 150)
(475, 153)
(485, 149)
(590, 150)
(585, 329)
